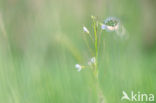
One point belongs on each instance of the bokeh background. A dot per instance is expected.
(41, 41)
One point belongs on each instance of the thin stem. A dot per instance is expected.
(91, 37)
(97, 46)
(86, 41)
(99, 42)
(96, 40)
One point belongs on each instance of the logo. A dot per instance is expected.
(140, 97)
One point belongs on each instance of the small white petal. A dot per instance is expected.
(85, 30)
(112, 28)
(103, 27)
(111, 24)
(78, 67)
(93, 60)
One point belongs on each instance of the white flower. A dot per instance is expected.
(112, 28)
(111, 21)
(93, 60)
(78, 67)
(85, 29)
(103, 27)
(111, 24)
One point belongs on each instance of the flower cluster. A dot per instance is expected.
(110, 24)
(114, 24)
(85, 29)
(93, 41)
(91, 62)
(78, 67)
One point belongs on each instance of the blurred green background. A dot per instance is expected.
(41, 41)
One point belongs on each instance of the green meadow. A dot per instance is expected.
(42, 40)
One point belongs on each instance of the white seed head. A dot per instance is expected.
(85, 29)
(78, 67)
(93, 60)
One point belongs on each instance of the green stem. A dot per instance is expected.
(96, 48)
(96, 42)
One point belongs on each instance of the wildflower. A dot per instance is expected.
(93, 60)
(85, 29)
(78, 67)
(110, 28)
(111, 21)
(110, 24)
(103, 27)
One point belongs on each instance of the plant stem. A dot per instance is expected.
(96, 72)
(96, 39)
(96, 48)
